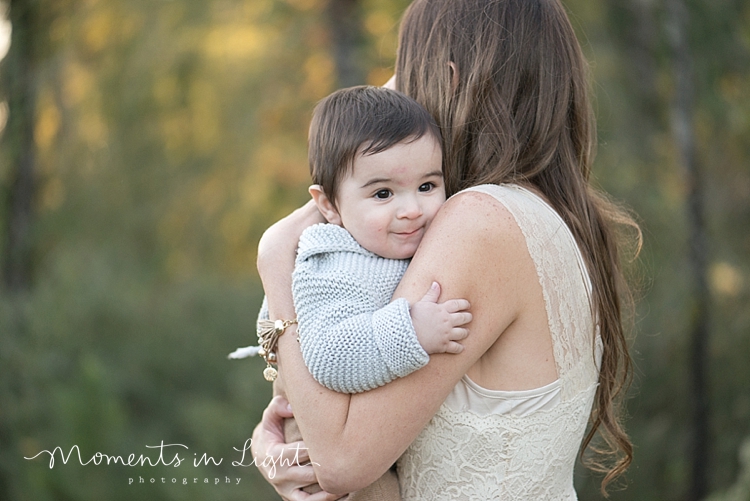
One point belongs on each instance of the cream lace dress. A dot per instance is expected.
(518, 445)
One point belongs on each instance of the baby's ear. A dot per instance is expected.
(325, 206)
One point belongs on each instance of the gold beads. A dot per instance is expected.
(270, 374)
(269, 332)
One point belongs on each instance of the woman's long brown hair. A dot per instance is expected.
(507, 82)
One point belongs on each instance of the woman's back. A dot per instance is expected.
(488, 444)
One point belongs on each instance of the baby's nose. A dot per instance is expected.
(409, 209)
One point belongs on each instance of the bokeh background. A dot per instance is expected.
(146, 144)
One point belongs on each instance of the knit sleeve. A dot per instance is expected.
(263, 313)
(348, 344)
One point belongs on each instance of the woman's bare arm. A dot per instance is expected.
(472, 249)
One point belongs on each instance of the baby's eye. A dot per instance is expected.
(426, 187)
(383, 194)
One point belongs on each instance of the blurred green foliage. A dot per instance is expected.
(170, 134)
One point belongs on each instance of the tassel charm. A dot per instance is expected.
(269, 332)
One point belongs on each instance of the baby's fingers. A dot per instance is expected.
(454, 347)
(454, 305)
(458, 333)
(460, 318)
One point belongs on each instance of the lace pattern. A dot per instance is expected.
(464, 456)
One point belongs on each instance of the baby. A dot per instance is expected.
(376, 161)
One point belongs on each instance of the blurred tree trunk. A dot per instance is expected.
(684, 136)
(19, 69)
(346, 33)
(634, 23)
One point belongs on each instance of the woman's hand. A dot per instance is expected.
(287, 466)
(283, 236)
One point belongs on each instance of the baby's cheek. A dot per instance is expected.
(379, 229)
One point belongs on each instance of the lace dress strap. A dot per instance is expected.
(565, 283)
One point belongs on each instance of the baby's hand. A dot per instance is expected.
(438, 325)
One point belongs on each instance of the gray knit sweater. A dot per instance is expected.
(353, 337)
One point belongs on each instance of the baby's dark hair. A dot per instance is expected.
(361, 120)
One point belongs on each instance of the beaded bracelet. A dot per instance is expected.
(269, 332)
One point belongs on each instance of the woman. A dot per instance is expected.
(531, 246)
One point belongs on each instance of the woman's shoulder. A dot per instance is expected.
(475, 230)
(529, 209)
(508, 194)
(488, 204)
(506, 221)
(471, 212)
(495, 190)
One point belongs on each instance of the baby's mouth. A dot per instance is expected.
(408, 233)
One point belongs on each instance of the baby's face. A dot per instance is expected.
(391, 197)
